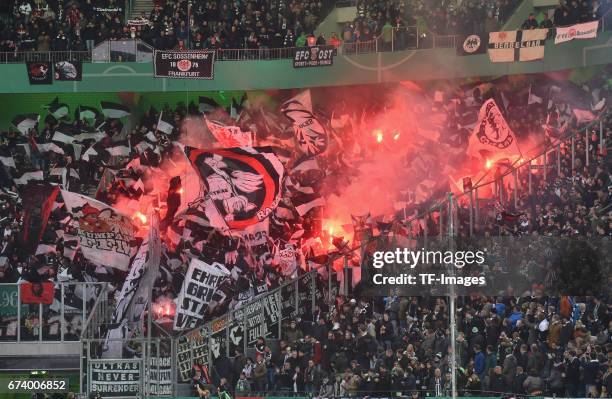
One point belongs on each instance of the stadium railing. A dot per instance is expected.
(60, 321)
(546, 160)
(288, 301)
(17, 57)
(138, 51)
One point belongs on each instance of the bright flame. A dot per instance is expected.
(180, 191)
(139, 216)
(331, 227)
(489, 164)
(396, 137)
(379, 137)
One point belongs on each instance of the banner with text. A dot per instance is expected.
(184, 64)
(314, 56)
(587, 30)
(198, 291)
(115, 378)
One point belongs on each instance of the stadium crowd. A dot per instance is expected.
(59, 25)
(526, 343)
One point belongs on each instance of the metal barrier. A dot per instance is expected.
(240, 327)
(99, 317)
(16, 57)
(122, 51)
(521, 173)
(61, 321)
(145, 368)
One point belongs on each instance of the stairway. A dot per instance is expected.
(140, 6)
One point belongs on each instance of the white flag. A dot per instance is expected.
(106, 236)
(492, 134)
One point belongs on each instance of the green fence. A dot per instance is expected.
(347, 70)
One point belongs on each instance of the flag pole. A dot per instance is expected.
(453, 321)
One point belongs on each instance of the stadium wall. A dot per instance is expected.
(347, 70)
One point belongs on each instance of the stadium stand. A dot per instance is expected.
(529, 344)
(79, 25)
(287, 284)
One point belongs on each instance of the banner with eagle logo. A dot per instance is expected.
(471, 45)
(243, 185)
(106, 236)
(310, 132)
(492, 135)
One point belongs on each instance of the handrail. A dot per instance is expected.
(376, 45)
(248, 303)
(93, 310)
(568, 135)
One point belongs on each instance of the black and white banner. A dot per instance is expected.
(134, 296)
(243, 185)
(255, 234)
(517, 45)
(184, 64)
(492, 136)
(587, 30)
(115, 378)
(159, 376)
(189, 349)
(259, 318)
(197, 293)
(471, 45)
(310, 132)
(68, 70)
(314, 56)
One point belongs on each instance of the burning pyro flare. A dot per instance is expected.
(140, 217)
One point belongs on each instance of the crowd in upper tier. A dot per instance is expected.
(78, 25)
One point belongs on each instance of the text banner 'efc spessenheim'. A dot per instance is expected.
(185, 64)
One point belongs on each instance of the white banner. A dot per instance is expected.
(286, 260)
(517, 45)
(105, 235)
(201, 282)
(229, 136)
(492, 137)
(587, 30)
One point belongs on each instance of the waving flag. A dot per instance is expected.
(134, 296)
(86, 112)
(165, 124)
(311, 134)
(25, 123)
(38, 199)
(229, 136)
(243, 184)
(114, 110)
(25, 177)
(106, 236)
(362, 226)
(57, 109)
(492, 135)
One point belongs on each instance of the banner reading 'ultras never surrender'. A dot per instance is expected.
(184, 64)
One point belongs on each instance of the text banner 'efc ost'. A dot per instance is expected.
(184, 64)
(314, 56)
